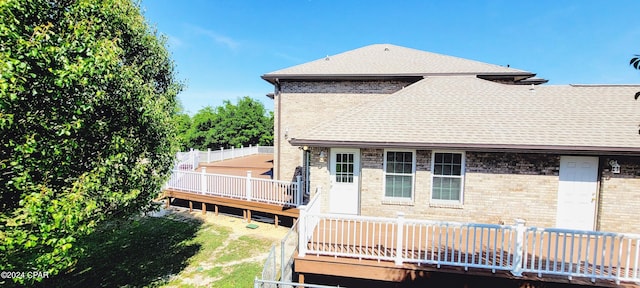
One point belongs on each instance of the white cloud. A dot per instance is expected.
(216, 37)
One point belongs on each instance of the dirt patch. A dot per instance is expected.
(241, 247)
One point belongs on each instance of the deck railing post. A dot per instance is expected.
(248, 186)
(208, 155)
(298, 190)
(191, 159)
(399, 238)
(302, 231)
(221, 153)
(519, 248)
(203, 180)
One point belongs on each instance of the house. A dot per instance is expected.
(384, 128)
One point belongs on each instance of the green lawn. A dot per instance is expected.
(169, 251)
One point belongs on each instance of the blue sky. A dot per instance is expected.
(221, 48)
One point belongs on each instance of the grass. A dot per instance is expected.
(168, 251)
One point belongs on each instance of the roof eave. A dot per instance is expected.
(465, 146)
(273, 78)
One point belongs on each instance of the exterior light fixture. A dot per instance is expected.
(322, 156)
(615, 167)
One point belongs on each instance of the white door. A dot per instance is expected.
(577, 192)
(344, 195)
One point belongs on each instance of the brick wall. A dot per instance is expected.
(619, 201)
(305, 105)
(499, 187)
(527, 182)
(344, 87)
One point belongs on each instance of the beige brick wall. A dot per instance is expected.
(619, 201)
(531, 196)
(499, 187)
(305, 105)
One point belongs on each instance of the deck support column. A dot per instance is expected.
(300, 279)
(204, 208)
(248, 216)
(275, 220)
(190, 206)
(215, 209)
(167, 203)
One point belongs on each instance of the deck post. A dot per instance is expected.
(298, 190)
(221, 153)
(399, 238)
(203, 181)
(248, 186)
(519, 248)
(208, 155)
(302, 237)
(204, 208)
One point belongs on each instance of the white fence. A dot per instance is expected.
(225, 154)
(515, 248)
(246, 188)
(187, 160)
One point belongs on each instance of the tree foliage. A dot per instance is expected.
(243, 124)
(635, 62)
(87, 96)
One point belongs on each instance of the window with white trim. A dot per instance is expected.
(399, 171)
(447, 177)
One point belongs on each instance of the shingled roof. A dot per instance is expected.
(467, 112)
(386, 60)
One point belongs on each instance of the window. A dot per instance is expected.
(344, 167)
(399, 170)
(447, 176)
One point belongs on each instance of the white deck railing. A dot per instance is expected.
(307, 224)
(237, 187)
(514, 248)
(226, 154)
(187, 160)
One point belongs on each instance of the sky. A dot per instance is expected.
(221, 48)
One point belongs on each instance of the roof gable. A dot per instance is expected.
(390, 60)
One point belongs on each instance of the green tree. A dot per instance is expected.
(182, 122)
(635, 62)
(243, 124)
(87, 99)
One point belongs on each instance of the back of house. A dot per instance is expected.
(384, 128)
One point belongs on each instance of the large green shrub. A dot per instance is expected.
(87, 95)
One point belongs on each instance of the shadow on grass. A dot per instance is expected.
(136, 253)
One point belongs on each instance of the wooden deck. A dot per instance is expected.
(260, 165)
(353, 249)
